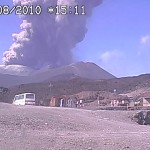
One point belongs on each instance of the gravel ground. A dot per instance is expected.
(47, 128)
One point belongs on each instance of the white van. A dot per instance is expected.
(24, 99)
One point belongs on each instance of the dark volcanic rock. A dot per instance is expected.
(143, 117)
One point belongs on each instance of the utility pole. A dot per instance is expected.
(50, 89)
(1, 93)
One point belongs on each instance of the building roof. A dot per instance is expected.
(147, 98)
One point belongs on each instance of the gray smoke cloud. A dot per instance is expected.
(48, 39)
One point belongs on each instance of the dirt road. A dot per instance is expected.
(45, 128)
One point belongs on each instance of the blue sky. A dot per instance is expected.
(118, 37)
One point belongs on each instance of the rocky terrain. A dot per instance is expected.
(45, 128)
(48, 128)
(82, 80)
(84, 88)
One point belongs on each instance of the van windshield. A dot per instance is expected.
(31, 96)
(16, 97)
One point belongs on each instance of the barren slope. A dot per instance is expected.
(40, 128)
(17, 74)
(18, 70)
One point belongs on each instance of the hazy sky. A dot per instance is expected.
(118, 37)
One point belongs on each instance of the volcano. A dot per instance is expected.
(17, 74)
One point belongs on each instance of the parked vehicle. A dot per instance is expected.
(24, 99)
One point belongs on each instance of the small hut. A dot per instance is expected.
(144, 101)
(58, 101)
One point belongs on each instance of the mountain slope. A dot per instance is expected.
(23, 75)
(84, 70)
(7, 80)
(71, 86)
(18, 70)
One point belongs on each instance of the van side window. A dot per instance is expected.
(31, 96)
(21, 97)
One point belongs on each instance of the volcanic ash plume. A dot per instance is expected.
(48, 39)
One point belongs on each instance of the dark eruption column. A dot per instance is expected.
(47, 39)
